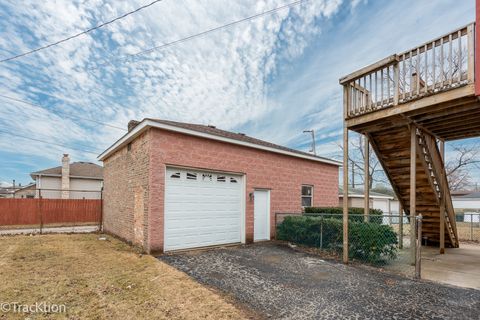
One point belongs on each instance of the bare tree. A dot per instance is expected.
(458, 169)
(356, 162)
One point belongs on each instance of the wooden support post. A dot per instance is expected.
(366, 179)
(413, 187)
(442, 202)
(345, 194)
(418, 251)
(400, 226)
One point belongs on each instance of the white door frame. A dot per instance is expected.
(268, 214)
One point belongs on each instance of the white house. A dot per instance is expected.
(382, 201)
(77, 180)
(468, 205)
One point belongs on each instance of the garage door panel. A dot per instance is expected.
(201, 212)
(199, 207)
(199, 223)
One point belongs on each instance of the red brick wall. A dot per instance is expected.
(126, 185)
(283, 174)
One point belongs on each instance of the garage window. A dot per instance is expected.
(191, 176)
(307, 196)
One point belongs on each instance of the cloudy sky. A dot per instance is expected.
(271, 77)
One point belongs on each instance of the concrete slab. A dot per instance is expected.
(458, 266)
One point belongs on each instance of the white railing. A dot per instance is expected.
(436, 66)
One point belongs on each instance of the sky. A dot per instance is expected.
(271, 77)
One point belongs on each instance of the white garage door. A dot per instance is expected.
(201, 209)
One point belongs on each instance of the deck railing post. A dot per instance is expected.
(396, 85)
(471, 54)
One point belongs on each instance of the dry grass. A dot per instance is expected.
(100, 280)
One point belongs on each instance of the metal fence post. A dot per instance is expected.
(418, 249)
(321, 233)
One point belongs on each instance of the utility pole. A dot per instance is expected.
(314, 148)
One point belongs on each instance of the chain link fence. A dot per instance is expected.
(468, 226)
(378, 241)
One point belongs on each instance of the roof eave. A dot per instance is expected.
(147, 123)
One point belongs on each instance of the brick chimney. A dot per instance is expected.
(132, 124)
(65, 176)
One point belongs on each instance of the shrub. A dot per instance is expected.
(369, 242)
(355, 214)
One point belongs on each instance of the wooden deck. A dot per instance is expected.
(406, 106)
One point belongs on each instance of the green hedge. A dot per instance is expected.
(369, 242)
(357, 213)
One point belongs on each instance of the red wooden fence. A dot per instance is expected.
(49, 211)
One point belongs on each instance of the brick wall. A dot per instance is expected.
(283, 174)
(126, 185)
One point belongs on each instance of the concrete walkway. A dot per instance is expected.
(458, 266)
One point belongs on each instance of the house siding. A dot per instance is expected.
(282, 174)
(126, 187)
(45, 182)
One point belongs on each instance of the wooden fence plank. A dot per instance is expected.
(49, 211)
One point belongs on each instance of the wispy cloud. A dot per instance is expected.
(272, 77)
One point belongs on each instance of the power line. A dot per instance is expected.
(80, 33)
(175, 42)
(49, 142)
(63, 114)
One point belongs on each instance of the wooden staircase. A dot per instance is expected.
(392, 147)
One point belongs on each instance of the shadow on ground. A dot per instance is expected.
(279, 282)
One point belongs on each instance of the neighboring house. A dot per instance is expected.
(171, 185)
(27, 191)
(466, 205)
(6, 192)
(382, 201)
(77, 180)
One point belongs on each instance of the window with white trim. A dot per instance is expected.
(307, 196)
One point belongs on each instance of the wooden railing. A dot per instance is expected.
(436, 174)
(436, 66)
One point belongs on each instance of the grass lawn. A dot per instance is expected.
(97, 279)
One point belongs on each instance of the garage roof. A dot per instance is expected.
(210, 132)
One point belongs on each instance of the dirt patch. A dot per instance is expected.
(101, 280)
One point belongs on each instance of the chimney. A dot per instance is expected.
(65, 176)
(132, 124)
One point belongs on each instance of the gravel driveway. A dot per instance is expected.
(280, 283)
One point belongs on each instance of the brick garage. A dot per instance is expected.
(160, 167)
